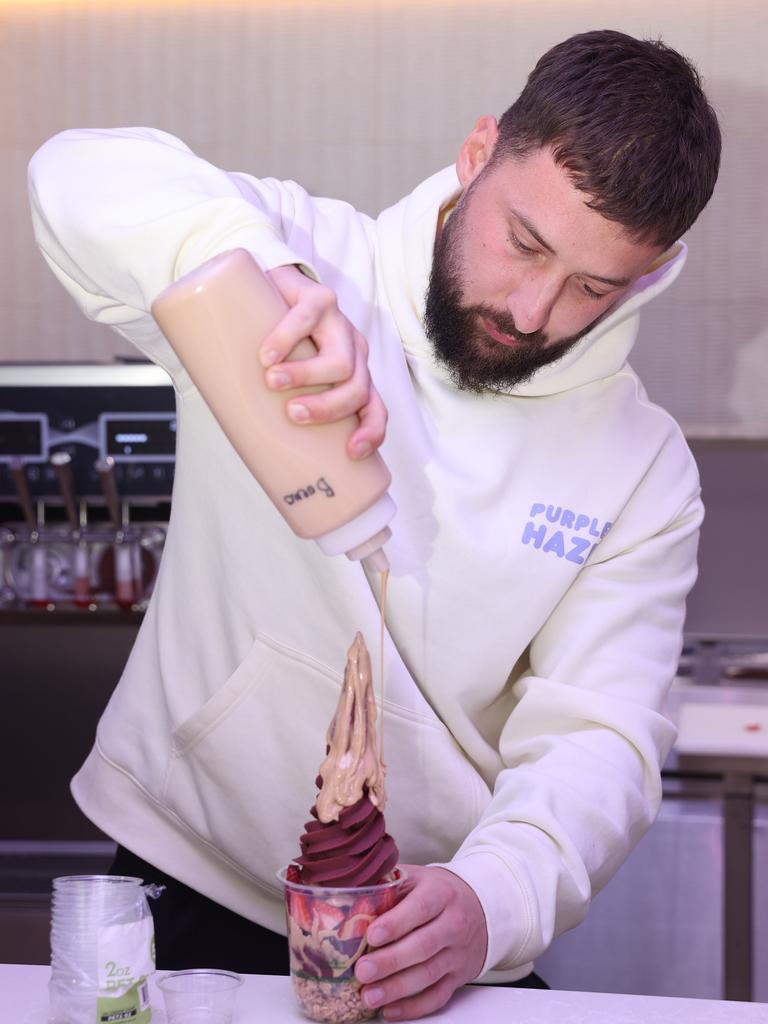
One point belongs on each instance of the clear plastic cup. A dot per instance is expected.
(327, 930)
(200, 996)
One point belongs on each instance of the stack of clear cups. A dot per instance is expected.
(102, 949)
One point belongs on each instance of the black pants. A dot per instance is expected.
(193, 931)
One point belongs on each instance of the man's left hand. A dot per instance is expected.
(425, 948)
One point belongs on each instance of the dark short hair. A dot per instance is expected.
(629, 121)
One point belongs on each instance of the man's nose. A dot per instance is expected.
(532, 299)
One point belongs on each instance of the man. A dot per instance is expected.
(546, 530)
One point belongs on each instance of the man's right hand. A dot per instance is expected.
(341, 361)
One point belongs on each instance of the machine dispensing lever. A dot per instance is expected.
(38, 572)
(106, 470)
(81, 571)
(125, 587)
(19, 474)
(62, 463)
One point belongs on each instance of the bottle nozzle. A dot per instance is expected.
(376, 560)
(370, 551)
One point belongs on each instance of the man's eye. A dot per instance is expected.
(591, 292)
(519, 245)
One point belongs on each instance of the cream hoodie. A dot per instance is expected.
(543, 547)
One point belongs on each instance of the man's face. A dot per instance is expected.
(522, 269)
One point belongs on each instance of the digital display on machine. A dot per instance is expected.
(21, 437)
(148, 437)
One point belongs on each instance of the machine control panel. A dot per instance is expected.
(87, 456)
(91, 412)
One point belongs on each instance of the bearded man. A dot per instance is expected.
(543, 547)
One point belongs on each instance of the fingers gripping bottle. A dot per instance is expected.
(215, 319)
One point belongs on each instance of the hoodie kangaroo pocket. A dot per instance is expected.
(242, 767)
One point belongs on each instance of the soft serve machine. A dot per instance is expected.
(86, 471)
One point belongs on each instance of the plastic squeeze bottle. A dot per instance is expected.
(215, 319)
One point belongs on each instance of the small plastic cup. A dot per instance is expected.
(200, 996)
(327, 930)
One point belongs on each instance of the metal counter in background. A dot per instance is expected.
(672, 920)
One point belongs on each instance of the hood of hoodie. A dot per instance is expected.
(406, 238)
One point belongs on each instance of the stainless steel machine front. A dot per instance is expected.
(86, 471)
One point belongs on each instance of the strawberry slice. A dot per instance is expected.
(363, 911)
(355, 927)
(329, 917)
(293, 874)
(300, 909)
(367, 907)
(387, 900)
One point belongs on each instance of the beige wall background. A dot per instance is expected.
(361, 99)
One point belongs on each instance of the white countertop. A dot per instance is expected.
(24, 1000)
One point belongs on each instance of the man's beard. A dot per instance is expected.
(476, 361)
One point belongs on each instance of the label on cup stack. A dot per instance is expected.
(126, 958)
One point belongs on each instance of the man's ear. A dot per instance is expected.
(476, 149)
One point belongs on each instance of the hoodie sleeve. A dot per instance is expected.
(584, 745)
(121, 214)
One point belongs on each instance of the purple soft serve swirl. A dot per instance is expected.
(356, 850)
